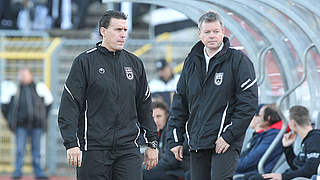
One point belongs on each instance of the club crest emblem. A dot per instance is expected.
(101, 70)
(129, 72)
(218, 77)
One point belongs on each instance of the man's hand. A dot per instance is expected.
(150, 158)
(74, 156)
(288, 139)
(272, 176)
(221, 145)
(178, 152)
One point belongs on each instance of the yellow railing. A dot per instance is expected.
(24, 55)
(168, 56)
(147, 47)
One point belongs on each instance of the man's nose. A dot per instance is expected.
(123, 33)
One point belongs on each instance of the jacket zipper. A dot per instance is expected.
(117, 79)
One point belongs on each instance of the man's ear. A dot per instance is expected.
(102, 30)
(293, 123)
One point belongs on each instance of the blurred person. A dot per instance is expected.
(61, 13)
(26, 110)
(306, 163)
(254, 124)
(6, 21)
(105, 101)
(267, 125)
(168, 167)
(251, 131)
(215, 100)
(167, 80)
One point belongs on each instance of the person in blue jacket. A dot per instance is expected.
(268, 125)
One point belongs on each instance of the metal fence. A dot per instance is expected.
(50, 61)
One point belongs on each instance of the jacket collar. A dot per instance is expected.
(106, 51)
(199, 61)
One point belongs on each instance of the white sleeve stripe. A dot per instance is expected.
(223, 120)
(67, 89)
(86, 127)
(91, 50)
(313, 155)
(135, 140)
(175, 136)
(187, 133)
(225, 128)
(251, 84)
(147, 93)
(144, 136)
(245, 83)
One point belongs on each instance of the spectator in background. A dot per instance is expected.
(61, 13)
(304, 164)
(168, 167)
(5, 15)
(26, 110)
(267, 125)
(167, 81)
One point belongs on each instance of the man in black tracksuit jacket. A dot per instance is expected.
(306, 163)
(215, 100)
(105, 101)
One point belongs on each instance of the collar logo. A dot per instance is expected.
(218, 77)
(129, 72)
(102, 70)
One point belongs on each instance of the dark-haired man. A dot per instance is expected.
(305, 164)
(105, 101)
(215, 100)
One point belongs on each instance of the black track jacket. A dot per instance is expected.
(105, 100)
(218, 103)
(306, 163)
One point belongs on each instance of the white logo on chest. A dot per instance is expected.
(101, 70)
(218, 77)
(129, 72)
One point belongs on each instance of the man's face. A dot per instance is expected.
(165, 73)
(257, 120)
(114, 36)
(160, 117)
(292, 125)
(211, 34)
(25, 76)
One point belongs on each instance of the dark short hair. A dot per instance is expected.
(105, 19)
(209, 17)
(300, 115)
(273, 114)
(160, 104)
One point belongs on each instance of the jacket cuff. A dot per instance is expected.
(285, 176)
(288, 148)
(152, 138)
(174, 144)
(71, 145)
(227, 136)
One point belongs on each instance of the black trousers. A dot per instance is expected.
(208, 165)
(158, 173)
(111, 165)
